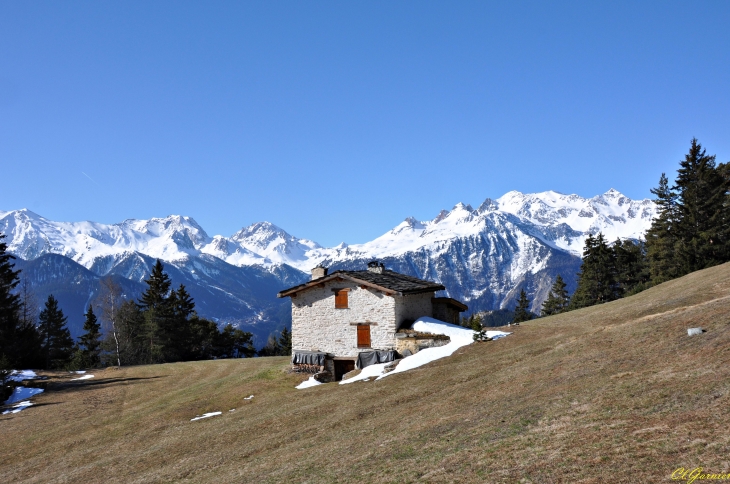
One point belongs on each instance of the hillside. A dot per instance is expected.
(613, 393)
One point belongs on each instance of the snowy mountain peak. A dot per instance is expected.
(261, 233)
(184, 231)
(558, 220)
(487, 205)
(442, 215)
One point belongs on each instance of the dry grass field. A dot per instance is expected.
(615, 393)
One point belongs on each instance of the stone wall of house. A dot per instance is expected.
(418, 343)
(318, 326)
(410, 307)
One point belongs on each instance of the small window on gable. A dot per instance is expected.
(341, 298)
(363, 336)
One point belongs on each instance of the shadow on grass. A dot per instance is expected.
(27, 409)
(92, 384)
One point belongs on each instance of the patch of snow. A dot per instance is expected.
(19, 406)
(249, 397)
(20, 375)
(367, 373)
(205, 415)
(459, 337)
(79, 372)
(308, 383)
(22, 393)
(85, 377)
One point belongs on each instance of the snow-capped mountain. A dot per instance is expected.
(484, 256)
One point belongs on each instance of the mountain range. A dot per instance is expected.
(484, 256)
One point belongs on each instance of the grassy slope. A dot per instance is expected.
(614, 393)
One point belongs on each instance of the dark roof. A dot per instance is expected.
(450, 302)
(387, 281)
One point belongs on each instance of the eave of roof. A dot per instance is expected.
(452, 302)
(427, 286)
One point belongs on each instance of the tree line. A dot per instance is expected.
(161, 326)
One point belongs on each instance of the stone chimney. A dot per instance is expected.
(319, 272)
(376, 267)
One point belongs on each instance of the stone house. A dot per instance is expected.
(345, 317)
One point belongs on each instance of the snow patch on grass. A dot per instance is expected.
(85, 377)
(205, 415)
(459, 335)
(20, 375)
(19, 406)
(308, 383)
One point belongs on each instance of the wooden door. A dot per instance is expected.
(363, 336)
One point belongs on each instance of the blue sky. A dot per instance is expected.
(336, 120)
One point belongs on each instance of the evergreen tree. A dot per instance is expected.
(90, 341)
(557, 300)
(27, 341)
(480, 332)
(702, 209)
(205, 337)
(631, 265)
(57, 345)
(9, 305)
(597, 279)
(234, 343)
(662, 237)
(522, 311)
(285, 342)
(157, 310)
(158, 289)
(175, 331)
(692, 229)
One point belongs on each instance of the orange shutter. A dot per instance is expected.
(340, 299)
(363, 336)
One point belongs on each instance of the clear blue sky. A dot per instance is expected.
(336, 120)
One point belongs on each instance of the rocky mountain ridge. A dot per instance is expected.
(483, 256)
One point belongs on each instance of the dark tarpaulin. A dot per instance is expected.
(367, 358)
(308, 357)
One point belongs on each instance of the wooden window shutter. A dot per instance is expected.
(363, 336)
(341, 299)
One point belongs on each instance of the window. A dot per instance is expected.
(341, 298)
(363, 336)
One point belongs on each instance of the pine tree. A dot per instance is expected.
(176, 331)
(9, 304)
(662, 237)
(522, 311)
(597, 279)
(632, 269)
(90, 341)
(702, 198)
(692, 230)
(480, 332)
(234, 343)
(57, 345)
(158, 289)
(156, 307)
(285, 342)
(134, 336)
(557, 300)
